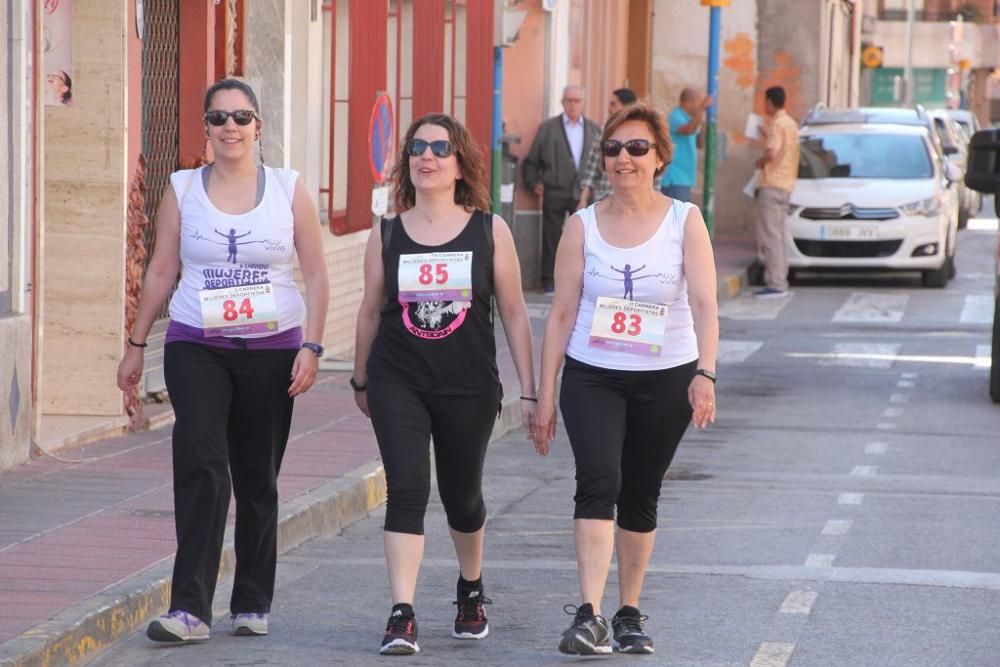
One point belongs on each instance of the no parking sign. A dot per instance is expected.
(380, 138)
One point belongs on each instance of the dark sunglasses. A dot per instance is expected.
(240, 117)
(440, 148)
(635, 147)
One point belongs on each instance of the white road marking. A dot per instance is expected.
(978, 309)
(837, 527)
(864, 471)
(850, 498)
(820, 560)
(899, 398)
(885, 426)
(906, 384)
(982, 225)
(892, 412)
(983, 356)
(736, 351)
(887, 359)
(909, 376)
(872, 307)
(749, 308)
(864, 355)
(875, 448)
(798, 602)
(773, 654)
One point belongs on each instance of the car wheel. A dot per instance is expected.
(936, 277)
(995, 368)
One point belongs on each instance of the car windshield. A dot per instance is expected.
(864, 156)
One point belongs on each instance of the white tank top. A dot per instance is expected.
(652, 272)
(220, 251)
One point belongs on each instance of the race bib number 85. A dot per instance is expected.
(435, 276)
(628, 326)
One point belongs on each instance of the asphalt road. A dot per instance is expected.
(843, 510)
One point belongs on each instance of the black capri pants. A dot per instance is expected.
(624, 428)
(404, 421)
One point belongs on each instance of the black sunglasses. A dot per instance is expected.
(635, 147)
(240, 117)
(440, 148)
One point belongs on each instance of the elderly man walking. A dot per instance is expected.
(779, 169)
(552, 170)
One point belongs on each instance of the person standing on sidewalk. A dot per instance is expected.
(234, 357)
(635, 319)
(685, 133)
(552, 170)
(779, 170)
(425, 360)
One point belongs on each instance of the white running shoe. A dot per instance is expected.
(249, 625)
(177, 626)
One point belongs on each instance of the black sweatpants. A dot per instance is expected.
(233, 414)
(405, 420)
(624, 428)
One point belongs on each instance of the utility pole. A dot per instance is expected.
(714, 37)
(908, 84)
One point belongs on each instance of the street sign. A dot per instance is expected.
(871, 57)
(380, 138)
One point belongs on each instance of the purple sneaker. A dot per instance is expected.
(249, 625)
(177, 626)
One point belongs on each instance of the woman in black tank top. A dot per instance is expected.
(425, 360)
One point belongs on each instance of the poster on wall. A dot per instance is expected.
(57, 52)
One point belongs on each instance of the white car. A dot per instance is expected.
(873, 196)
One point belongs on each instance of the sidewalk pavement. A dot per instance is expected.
(86, 547)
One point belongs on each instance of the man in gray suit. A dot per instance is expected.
(552, 170)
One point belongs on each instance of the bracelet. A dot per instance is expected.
(529, 398)
(135, 344)
(357, 387)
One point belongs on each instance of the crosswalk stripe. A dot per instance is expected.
(837, 527)
(798, 602)
(850, 498)
(749, 308)
(773, 654)
(872, 307)
(978, 309)
(736, 351)
(863, 355)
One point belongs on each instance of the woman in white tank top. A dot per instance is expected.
(635, 319)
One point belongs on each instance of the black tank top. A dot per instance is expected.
(443, 347)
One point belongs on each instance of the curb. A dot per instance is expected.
(79, 632)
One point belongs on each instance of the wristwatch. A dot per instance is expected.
(315, 348)
(707, 373)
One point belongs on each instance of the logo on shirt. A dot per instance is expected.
(434, 319)
(629, 277)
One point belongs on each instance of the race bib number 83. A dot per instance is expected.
(628, 326)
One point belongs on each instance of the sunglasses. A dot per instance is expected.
(635, 147)
(240, 117)
(440, 148)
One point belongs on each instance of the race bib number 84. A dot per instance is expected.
(239, 311)
(628, 326)
(435, 276)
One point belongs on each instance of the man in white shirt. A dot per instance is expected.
(552, 170)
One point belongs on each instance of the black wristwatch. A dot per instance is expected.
(707, 373)
(357, 387)
(315, 348)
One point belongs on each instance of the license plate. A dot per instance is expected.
(848, 232)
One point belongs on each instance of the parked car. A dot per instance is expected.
(956, 149)
(873, 196)
(967, 119)
(983, 176)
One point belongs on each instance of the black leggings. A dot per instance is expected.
(233, 415)
(404, 421)
(624, 428)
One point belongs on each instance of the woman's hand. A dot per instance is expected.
(361, 400)
(544, 430)
(701, 394)
(130, 368)
(528, 409)
(303, 372)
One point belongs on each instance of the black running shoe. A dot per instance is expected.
(630, 632)
(470, 622)
(400, 632)
(589, 634)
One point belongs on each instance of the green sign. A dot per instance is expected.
(930, 90)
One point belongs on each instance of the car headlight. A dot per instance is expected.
(930, 207)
